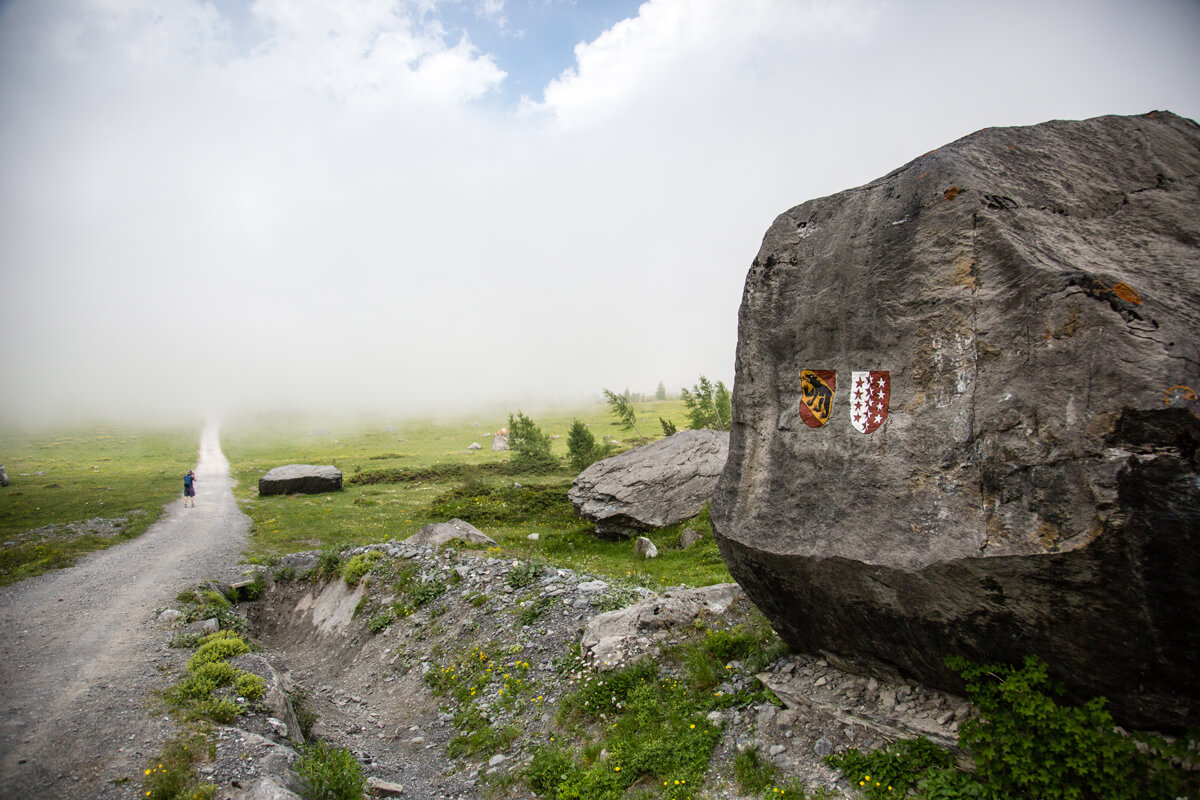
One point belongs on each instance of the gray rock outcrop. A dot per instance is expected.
(300, 479)
(1023, 308)
(657, 484)
(618, 638)
(440, 533)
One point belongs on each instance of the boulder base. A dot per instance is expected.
(653, 485)
(300, 479)
(1018, 313)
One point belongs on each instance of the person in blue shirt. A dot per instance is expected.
(189, 489)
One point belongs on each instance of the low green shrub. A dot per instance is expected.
(754, 773)
(216, 647)
(329, 773)
(358, 566)
(1025, 746)
(172, 776)
(426, 592)
(525, 573)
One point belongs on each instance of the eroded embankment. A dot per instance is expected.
(453, 675)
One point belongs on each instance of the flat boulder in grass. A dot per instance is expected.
(300, 479)
(657, 484)
(1019, 313)
(440, 533)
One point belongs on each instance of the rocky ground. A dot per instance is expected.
(369, 692)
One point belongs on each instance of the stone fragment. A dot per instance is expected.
(377, 787)
(500, 442)
(689, 537)
(1020, 309)
(657, 484)
(619, 637)
(645, 548)
(440, 533)
(474, 446)
(300, 479)
(170, 616)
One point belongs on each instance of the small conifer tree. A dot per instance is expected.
(623, 411)
(581, 446)
(709, 405)
(530, 447)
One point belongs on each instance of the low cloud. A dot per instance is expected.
(329, 213)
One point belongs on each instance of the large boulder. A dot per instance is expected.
(1015, 320)
(657, 484)
(300, 479)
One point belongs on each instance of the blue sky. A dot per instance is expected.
(352, 205)
(534, 40)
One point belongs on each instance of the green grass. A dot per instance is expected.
(99, 472)
(403, 475)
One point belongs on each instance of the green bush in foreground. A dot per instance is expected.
(1025, 746)
(329, 773)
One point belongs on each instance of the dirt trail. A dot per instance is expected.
(79, 647)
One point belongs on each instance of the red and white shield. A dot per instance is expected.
(869, 394)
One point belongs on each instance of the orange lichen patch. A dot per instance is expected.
(1012, 147)
(1049, 535)
(1127, 293)
(964, 274)
(952, 192)
(922, 175)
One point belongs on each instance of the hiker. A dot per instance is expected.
(189, 488)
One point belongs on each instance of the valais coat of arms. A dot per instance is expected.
(869, 394)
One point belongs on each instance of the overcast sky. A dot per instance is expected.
(451, 203)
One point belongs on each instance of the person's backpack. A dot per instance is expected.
(187, 479)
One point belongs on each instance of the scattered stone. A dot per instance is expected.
(500, 441)
(377, 787)
(474, 446)
(440, 533)
(653, 485)
(823, 747)
(170, 617)
(645, 548)
(533, 537)
(1032, 486)
(497, 760)
(3, 476)
(300, 479)
(689, 537)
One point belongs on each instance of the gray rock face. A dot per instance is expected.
(300, 479)
(1025, 305)
(651, 486)
(440, 533)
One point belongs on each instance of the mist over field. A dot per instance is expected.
(402, 207)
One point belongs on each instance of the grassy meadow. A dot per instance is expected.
(95, 473)
(401, 475)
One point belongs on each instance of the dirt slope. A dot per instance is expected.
(79, 647)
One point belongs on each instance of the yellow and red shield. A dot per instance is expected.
(816, 396)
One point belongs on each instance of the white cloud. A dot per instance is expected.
(326, 217)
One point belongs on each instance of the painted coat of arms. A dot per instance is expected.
(816, 396)
(869, 394)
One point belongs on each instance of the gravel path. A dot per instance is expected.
(79, 647)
